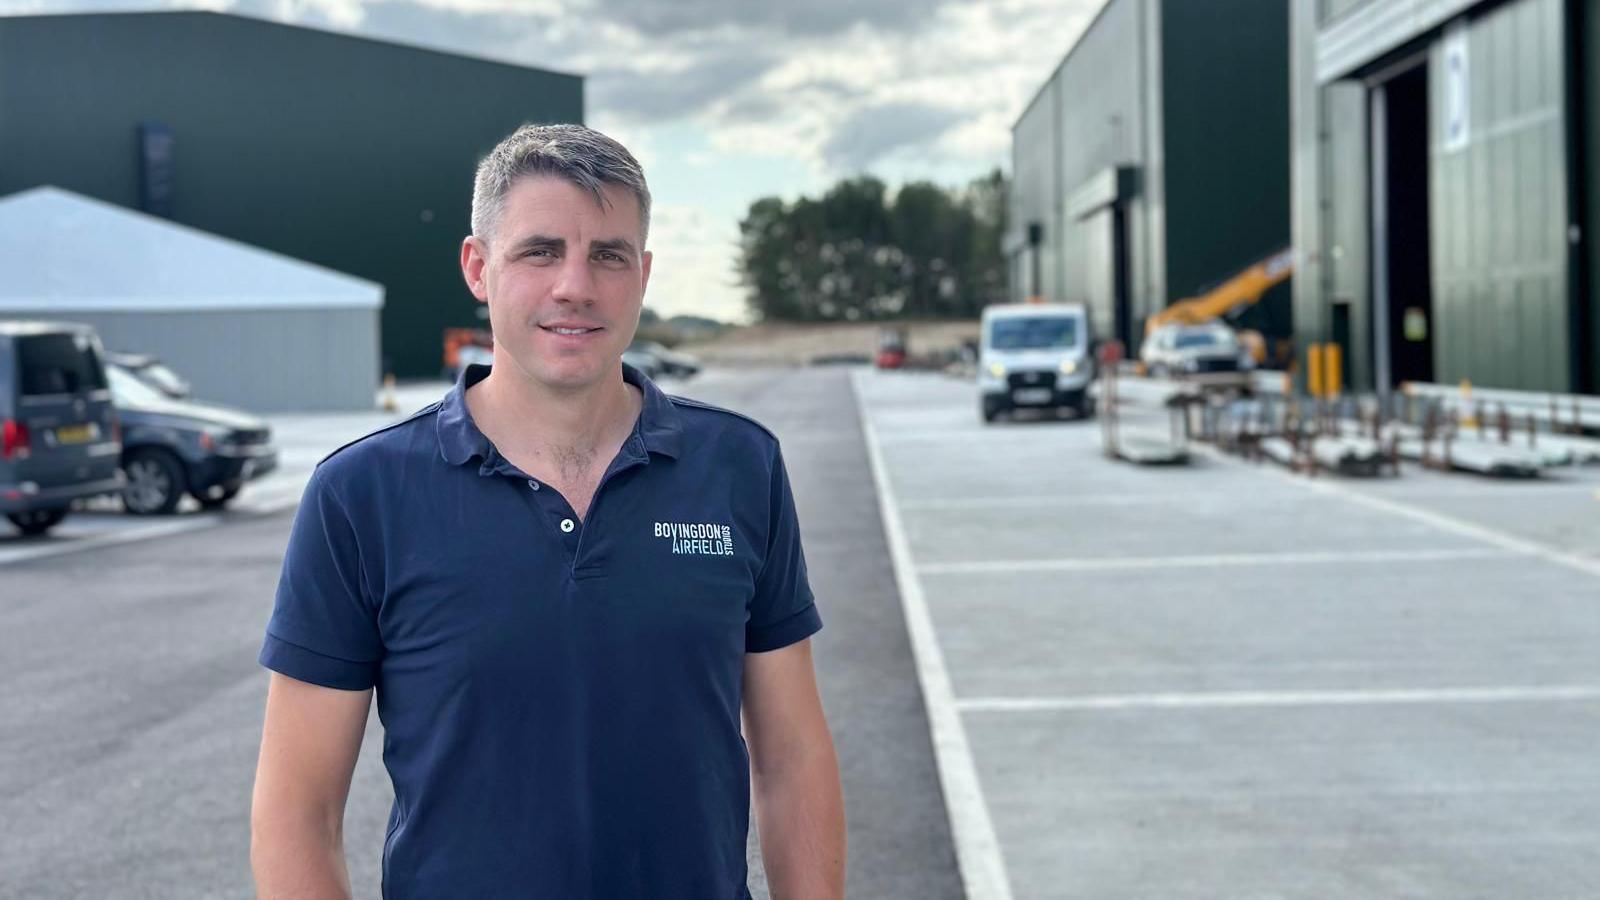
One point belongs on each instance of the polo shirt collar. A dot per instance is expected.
(658, 427)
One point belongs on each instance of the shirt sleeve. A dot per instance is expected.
(324, 627)
(783, 610)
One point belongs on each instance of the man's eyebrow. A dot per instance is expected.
(538, 241)
(622, 245)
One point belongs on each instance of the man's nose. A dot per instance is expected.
(574, 281)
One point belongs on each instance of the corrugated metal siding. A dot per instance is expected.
(259, 360)
(351, 153)
(1499, 206)
(1591, 125)
(1035, 193)
(1346, 222)
(1104, 121)
(1305, 129)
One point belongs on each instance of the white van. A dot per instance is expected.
(1035, 356)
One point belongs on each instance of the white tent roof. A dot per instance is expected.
(64, 252)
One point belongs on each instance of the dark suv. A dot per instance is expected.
(171, 447)
(59, 435)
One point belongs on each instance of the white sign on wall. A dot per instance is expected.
(1457, 89)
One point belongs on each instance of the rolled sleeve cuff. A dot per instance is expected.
(310, 666)
(801, 625)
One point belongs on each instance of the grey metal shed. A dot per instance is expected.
(246, 326)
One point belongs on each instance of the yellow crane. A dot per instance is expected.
(1228, 298)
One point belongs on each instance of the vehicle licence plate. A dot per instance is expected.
(75, 434)
(1031, 395)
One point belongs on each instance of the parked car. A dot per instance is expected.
(648, 363)
(1211, 354)
(59, 438)
(153, 372)
(172, 447)
(1035, 355)
(668, 362)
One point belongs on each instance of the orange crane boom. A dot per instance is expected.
(1236, 293)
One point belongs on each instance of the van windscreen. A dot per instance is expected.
(59, 364)
(1033, 333)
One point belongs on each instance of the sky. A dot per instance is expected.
(727, 101)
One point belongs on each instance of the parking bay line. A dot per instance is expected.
(1068, 502)
(1215, 560)
(983, 871)
(1495, 537)
(1260, 699)
(193, 522)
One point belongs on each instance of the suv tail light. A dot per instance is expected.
(14, 440)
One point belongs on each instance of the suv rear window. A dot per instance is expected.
(59, 364)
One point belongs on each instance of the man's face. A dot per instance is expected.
(564, 279)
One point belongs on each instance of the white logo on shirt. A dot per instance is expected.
(697, 538)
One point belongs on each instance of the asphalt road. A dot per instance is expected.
(131, 715)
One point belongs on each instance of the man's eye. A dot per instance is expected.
(611, 256)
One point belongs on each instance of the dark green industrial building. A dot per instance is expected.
(1154, 163)
(352, 153)
(1446, 191)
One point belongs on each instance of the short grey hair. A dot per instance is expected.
(574, 153)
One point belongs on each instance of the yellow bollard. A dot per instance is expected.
(1333, 374)
(1314, 370)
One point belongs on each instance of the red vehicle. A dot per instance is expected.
(891, 348)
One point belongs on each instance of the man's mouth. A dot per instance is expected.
(570, 329)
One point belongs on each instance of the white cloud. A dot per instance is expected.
(693, 267)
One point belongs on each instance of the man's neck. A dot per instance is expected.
(522, 416)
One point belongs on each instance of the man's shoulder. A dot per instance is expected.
(390, 443)
(709, 421)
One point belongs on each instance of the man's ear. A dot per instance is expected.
(474, 257)
(644, 268)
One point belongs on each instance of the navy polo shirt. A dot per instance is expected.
(560, 699)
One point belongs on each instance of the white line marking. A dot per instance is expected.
(983, 869)
(1236, 699)
(1069, 502)
(193, 522)
(1442, 522)
(1218, 560)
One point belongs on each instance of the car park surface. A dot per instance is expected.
(1228, 681)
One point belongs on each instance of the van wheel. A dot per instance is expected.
(35, 522)
(990, 411)
(155, 482)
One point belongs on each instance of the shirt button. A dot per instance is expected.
(533, 484)
(567, 526)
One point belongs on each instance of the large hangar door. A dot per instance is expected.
(1402, 293)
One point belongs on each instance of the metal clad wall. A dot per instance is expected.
(351, 153)
(1104, 122)
(1035, 194)
(1499, 206)
(1305, 128)
(1590, 42)
(1346, 222)
(1226, 89)
(260, 360)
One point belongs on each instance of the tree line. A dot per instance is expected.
(863, 253)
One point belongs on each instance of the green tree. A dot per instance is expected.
(860, 253)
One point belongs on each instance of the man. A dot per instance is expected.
(566, 588)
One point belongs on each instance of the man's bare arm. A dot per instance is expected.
(309, 746)
(799, 803)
